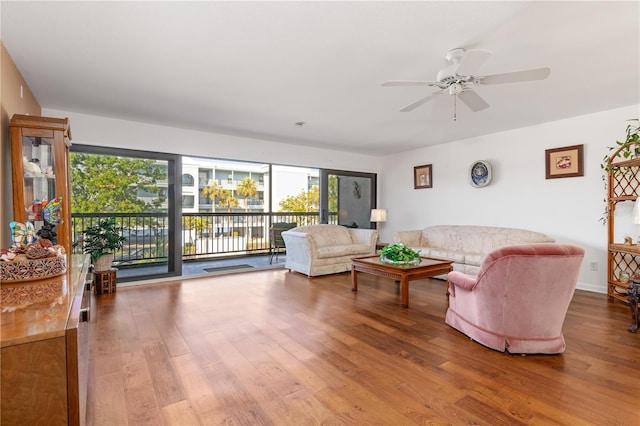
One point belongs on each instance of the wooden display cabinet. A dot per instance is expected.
(40, 170)
(623, 185)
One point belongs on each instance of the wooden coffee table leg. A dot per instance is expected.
(404, 284)
(354, 279)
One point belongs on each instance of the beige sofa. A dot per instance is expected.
(466, 245)
(326, 249)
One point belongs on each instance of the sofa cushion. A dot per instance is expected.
(327, 235)
(457, 257)
(342, 250)
(477, 239)
(424, 251)
(473, 259)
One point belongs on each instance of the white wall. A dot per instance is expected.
(567, 209)
(101, 131)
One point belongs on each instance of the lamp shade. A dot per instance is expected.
(378, 215)
(635, 216)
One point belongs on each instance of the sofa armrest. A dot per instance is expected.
(408, 238)
(464, 281)
(301, 247)
(365, 236)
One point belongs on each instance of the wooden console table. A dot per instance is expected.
(45, 348)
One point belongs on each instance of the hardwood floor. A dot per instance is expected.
(274, 347)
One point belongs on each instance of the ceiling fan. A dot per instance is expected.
(458, 79)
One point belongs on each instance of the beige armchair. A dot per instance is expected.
(326, 249)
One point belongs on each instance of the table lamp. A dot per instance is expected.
(380, 215)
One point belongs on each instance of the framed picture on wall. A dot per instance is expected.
(567, 161)
(422, 177)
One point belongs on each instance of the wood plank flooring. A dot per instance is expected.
(277, 348)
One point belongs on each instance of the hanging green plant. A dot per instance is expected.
(630, 146)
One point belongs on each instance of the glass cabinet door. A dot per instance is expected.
(39, 177)
(39, 162)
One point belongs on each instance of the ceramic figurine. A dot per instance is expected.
(22, 234)
(31, 167)
(51, 211)
(47, 231)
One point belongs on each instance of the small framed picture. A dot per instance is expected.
(567, 161)
(422, 177)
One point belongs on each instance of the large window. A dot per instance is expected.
(227, 211)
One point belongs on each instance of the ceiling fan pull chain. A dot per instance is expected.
(455, 97)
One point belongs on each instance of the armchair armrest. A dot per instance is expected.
(301, 247)
(365, 236)
(408, 238)
(464, 281)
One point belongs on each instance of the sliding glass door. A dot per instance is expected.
(346, 198)
(138, 190)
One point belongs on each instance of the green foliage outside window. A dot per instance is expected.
(247, 188)
(309, 201)
(102, 183)
(306, 201)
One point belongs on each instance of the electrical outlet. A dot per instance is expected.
(594, 266)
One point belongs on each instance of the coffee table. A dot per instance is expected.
(427, 268)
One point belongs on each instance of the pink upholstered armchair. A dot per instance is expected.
(519, 300)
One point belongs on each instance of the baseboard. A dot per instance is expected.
(591, 287)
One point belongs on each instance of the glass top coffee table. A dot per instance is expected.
(428, 267)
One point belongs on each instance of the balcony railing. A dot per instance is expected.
(203, 235)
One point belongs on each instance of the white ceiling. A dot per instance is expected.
(257, 68)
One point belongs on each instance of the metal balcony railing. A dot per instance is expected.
(203, 235)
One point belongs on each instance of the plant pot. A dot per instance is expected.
(103, 263)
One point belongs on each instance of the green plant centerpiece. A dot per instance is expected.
(399, 254)
(102, 238)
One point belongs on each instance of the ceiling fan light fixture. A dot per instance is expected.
(455, 88)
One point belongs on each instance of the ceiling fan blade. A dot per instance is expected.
(419, 102)
(409, 83)
(473, 100)
(516, 77)
(471, 61)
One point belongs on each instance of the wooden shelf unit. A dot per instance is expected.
(623, 185)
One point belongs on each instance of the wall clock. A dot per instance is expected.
(480, 173)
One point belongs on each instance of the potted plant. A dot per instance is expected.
(101, 241)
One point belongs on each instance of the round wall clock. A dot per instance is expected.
(480, 174)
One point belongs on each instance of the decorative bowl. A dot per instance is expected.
(411, 262)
